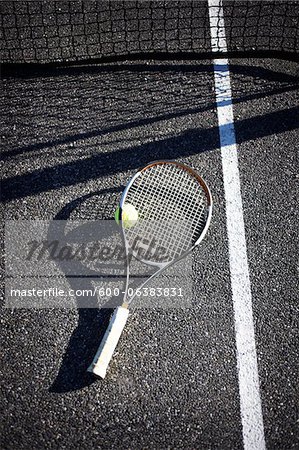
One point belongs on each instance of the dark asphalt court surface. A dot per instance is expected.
(71, 139)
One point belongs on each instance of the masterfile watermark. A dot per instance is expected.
(83, 264)
(145, 249)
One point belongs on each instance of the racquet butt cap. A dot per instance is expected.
(98, 370)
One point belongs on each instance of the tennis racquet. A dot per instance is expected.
(174, 207)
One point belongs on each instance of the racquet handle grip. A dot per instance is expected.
(109, 342)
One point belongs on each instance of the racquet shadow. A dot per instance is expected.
(92, 320)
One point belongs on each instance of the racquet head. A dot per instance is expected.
(173, 205)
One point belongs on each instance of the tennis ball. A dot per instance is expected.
(129, 216)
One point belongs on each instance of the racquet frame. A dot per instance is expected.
(119, 318)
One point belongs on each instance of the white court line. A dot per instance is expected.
(250, 400)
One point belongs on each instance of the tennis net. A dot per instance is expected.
(61, 31)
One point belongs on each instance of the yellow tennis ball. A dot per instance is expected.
(129, 215)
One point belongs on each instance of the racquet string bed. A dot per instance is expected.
(172, 208)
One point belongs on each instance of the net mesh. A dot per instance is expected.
(172, 211)
(60, 31)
